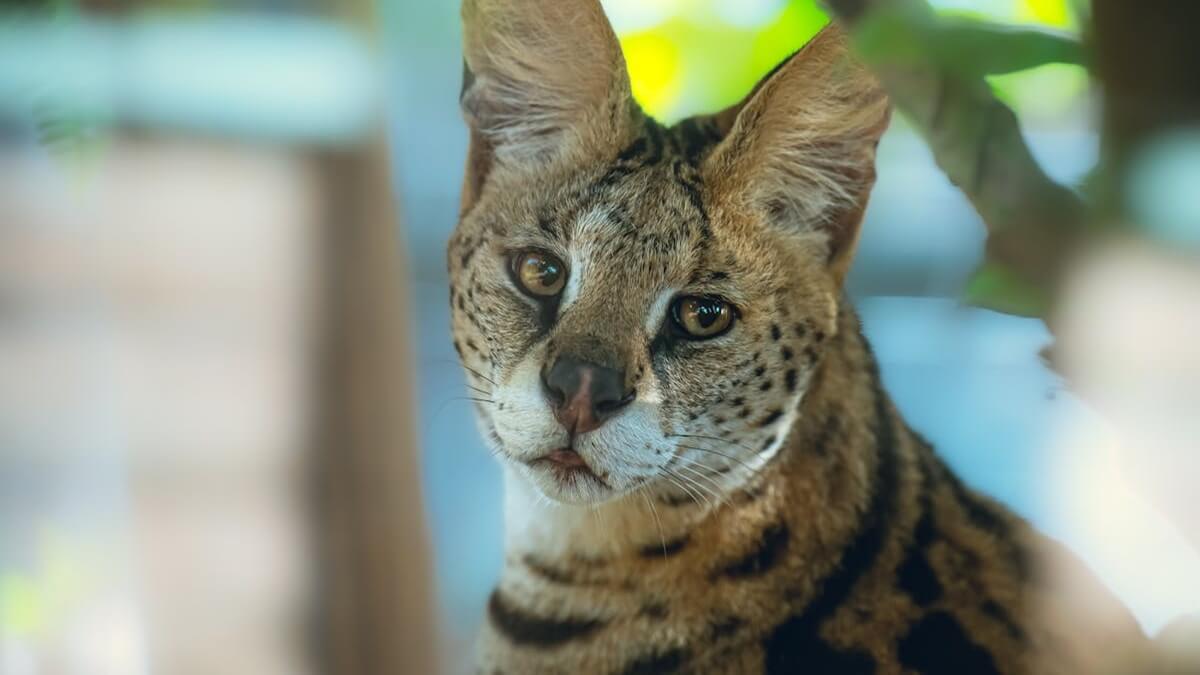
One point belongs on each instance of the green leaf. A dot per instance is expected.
(976, 48)
(899, 37)
(995, 286)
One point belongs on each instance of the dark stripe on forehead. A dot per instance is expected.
(634, 150)
(522, 628)
(690, 181)
(550, 226)
(654, 132)
(698, 136)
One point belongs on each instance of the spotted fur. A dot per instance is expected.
(760, 507)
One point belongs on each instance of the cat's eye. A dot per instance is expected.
(539, 274)
(702, 318)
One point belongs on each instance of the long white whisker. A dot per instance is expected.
(658, 523)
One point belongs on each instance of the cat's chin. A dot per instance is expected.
(576, 487)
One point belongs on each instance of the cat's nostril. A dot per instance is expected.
(609, 407)
(584, 394)
(554, 394)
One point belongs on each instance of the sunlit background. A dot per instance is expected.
(166, 204)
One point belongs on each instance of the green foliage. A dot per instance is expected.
(693, 62)
(966, 47)
(997, 287)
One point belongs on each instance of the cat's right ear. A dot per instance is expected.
(540, 78)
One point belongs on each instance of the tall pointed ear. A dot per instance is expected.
(541, 77)
(801, 147)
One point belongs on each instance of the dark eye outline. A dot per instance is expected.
(681, 330)
(517, 258)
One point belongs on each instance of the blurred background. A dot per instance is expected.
(233, 437)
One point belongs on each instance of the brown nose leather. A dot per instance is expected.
(584, 395)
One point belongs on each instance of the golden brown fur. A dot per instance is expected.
(761, 506)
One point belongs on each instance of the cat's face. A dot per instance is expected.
(639, 307)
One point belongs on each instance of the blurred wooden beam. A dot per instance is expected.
(378, 616)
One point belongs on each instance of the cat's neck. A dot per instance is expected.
(815, 469)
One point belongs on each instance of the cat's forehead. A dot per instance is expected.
(648, 203)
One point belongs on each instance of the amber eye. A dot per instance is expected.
(703, 318)
(539, 274)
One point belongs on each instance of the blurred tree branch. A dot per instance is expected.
(934, 72)
(1146, 56)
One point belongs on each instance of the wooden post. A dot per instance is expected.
(377, 613)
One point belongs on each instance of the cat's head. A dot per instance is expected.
(636, 306)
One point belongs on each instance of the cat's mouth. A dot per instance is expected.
(567, 466)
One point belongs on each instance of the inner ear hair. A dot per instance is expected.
(541, 75)
(801, 146)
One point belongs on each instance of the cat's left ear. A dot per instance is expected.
(801, 147)
(542, 78)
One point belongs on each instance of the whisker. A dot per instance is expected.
(480, 375)
(717, 491)
(671, 476)
(458, 362)
(477, 389)
(716, 438)
(692, 489)
(471, 398)
(658, 523)
(748, 467)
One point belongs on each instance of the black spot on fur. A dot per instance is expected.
(775, 332)
(821, 444)
(665, 549)
(654, 610)
(917, 578)
(770, 547)
(758, 372)
(656, 664)
(786, 353)
(547, 571)
(766, 385)
(771, 418)
(791, 650)
(994, 610)
(528, 630)
(725, 626)
(789, 379)
(938, 645)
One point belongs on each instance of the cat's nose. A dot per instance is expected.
(584, 395)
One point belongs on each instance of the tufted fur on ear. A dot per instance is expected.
(542, 78)
(801, 146)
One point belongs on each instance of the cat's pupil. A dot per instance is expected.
(544, 271)
(707, 313)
